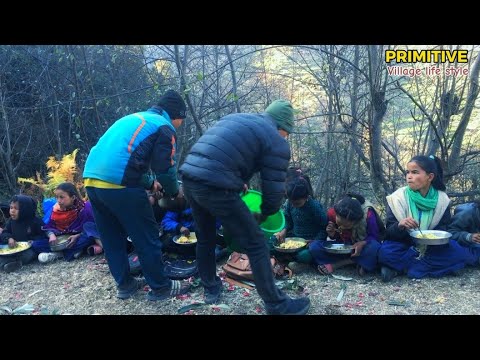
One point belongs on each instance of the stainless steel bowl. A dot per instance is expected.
(176, 237)
(16, 250)
(283, 250)
(62, 243)
(335, 248)
(441, 237)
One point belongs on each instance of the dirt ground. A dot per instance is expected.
(85, 287)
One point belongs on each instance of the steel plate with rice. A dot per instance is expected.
(21, 246)
(431, 237)
(62, 243)
(338, 248)
(291, 245)
(189, 240)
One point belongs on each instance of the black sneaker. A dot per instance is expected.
(130, 291)
(299, 306)
(176, 288)
(12, 266)
(387, 273)
(212, 296)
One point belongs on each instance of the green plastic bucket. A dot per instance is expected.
(273, 224)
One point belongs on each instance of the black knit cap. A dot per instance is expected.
(173, 104)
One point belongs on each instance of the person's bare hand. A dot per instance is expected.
(52, 240)
(184, 231)
(280, 236)
(72, 240)
(331, 229)
(156, 186)
(358, 247)
(408, 224)
(12, 243)
(157, 190)
(476, 238)
(151, 198)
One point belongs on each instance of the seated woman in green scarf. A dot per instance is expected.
(422, 204)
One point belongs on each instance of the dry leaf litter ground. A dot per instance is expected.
(85, 286)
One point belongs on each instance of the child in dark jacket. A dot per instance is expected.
(23, 226)
(178, 222)
(181, 222)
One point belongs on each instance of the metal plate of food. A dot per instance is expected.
(338, 248)
(189, 240)
(291, 245)
(21, 246)
(431, 237)
(62, 243)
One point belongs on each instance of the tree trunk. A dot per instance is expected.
(181, 66)
(234, 79)
(454, 159)
(6, 148)
(377, 112)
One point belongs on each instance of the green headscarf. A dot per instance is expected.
(422, 206)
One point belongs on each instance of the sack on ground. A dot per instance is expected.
(238, 267)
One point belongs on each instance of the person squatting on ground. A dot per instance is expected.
(214, 174)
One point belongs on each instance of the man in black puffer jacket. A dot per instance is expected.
(214, 173)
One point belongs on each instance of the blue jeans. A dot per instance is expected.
(127, 212)
(209, 203)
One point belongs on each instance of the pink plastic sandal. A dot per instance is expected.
(325, 269)
(94, 250)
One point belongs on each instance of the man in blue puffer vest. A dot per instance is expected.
(214, 173)
(117, 172)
